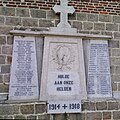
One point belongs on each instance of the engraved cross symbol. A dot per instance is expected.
(64, 106)
(63, 9)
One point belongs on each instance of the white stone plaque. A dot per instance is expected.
(24, 79)
(63, 74)
(98, 78)
(63, 83)
(64, 107)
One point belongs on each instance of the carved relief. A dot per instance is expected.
(63, 56)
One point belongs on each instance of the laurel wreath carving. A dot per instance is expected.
(63, 55)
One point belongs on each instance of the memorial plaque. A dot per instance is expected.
(63, 76)
(24, 79)
(99, 79)
(64, 106)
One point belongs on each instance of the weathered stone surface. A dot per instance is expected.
(60, 117)
(9, 60)
(2, 19)
(115, 52)
(7, 50)
(114, 61)
(95, 32)
(32, 117)
(114, 86)
(88, 106)
(40, 108)
(110, 54)
(113, 43)
(1, 78)
(94, 116)
(27, 109)
(22, 12)
(99, 26)
(101, 105)
(44, 117)
(119, 90)
(113, 105)
(117, 70)
(105, 18)
(38, 13)
(112, 27)
(1, 117)
(5, 69)
(8, 117)
(72, 17)
(9, 109)
(116, 115)
(77, 25)
(13, 21)
(116, 19)
(52, 15)
(88, 26)
(56, 23)
(9, 40)
(2, 40)
(77, 116)
(3, 88)
(30, 22)
(2, 59)
(46, 23)
(6, 78)
(0, 49)
(7, 11)
(115, 78)
(20, 117)
(93, 17)
(109, 33)
(5, 30)
(106, 115)
(84, 31)
(112, 68)
(81, 16)
(117, 35)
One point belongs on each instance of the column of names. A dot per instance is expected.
(24, 80)
(98, 79)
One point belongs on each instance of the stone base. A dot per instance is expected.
(63, 30)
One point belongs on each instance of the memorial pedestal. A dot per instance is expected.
(63, 74)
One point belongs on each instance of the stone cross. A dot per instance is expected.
(63, 9)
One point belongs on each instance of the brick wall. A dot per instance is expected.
(91, 17)
(90, 6)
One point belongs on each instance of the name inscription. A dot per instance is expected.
(99, 80)
(24, 81)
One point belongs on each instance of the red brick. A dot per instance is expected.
(104, 2)
(11, 2)
(8, 5)
(29, 0)
(33, 7)
(103, 12)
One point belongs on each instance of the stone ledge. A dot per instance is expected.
(48, 33)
